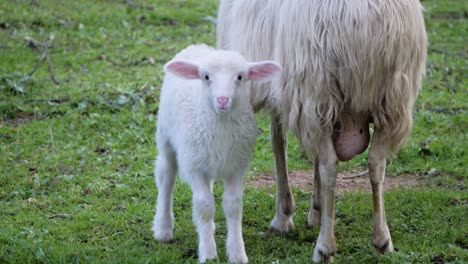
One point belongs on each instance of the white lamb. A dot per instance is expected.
(206, 129)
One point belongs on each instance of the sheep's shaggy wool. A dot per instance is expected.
(346, 64)
(340, 58)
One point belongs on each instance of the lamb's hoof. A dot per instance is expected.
(163, 227)
(236, 251)
(162, 234)
(204, 259)
(240, 259)
(164, 237)
(207, 249)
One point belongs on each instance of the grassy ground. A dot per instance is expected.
(76, 159)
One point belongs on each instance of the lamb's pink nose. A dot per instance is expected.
(222, 100)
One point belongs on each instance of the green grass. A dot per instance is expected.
(76, 163)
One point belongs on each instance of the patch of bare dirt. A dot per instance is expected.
(19, 119)
(346, 181)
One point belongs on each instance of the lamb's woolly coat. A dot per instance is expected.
(206, 129)
(358, 57)
(207, 143)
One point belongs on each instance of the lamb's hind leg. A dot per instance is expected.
(165, 171)
(285, 206)
(377, 161)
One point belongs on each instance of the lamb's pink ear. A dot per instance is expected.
(184, 69)
(263, 70)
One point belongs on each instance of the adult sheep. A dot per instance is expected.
(346, 64)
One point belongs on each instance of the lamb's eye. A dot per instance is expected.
(239, 77)
(207, 77)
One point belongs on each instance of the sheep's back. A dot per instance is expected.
(339, 58)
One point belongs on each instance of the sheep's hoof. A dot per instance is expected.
(382, 241)
(325, 249)
(274, 231)
(280, 225)
(322, 258)
(384, 246)
(321, 255)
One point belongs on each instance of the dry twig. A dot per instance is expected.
(364, 173)
(70, 216)
(55, 101)
(144, 60)
(5, 136)
(49, 65)
(45, 57)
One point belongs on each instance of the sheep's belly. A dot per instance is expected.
(352, 138)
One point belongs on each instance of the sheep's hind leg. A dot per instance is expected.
(328, 166)
(232, 204)
(165, 172)
(285, 206)
(314, 213)
(203, 217)
(381, 238)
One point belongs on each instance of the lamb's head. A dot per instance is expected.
(223, 75)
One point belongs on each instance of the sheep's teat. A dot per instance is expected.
(351, 138)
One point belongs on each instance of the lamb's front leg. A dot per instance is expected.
(232, 204)
(203, 215)
(165, 173)
(325, 247)
(285, 205)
